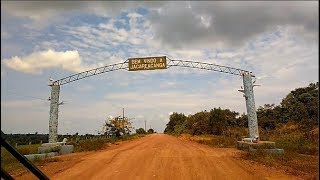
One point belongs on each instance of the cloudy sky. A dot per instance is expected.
(277, 41)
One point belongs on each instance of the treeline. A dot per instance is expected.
(23, 139)
(142, 131)
(300, 106)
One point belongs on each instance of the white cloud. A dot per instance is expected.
(36, 62)
(134, 15)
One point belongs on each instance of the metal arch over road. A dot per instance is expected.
(207, 66)
(170, 63)
(142, 64)
(92, 72)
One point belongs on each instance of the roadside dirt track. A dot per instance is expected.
(158, 156)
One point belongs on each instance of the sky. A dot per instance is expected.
(277, 41)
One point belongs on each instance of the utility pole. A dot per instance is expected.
(250, 104)
(123, 118)
(145, 125)
(53, 119)
(122, 113)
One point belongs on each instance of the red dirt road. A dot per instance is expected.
(158, 156)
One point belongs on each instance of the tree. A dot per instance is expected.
(198, 123)
(140, 131)
(266, 116)
(242, 120)
(301, 105)
(122, 124)
(150, 131)
(218, 121)
(116, 126)
(175, 119)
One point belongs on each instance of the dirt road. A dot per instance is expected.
(158, 156)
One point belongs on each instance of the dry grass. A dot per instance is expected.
(301, 156)
(301, 151)
(305, 166)
(290, 138)
(211, 140)
(10, 163)
(98, 144)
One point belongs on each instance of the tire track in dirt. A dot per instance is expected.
(160, 156)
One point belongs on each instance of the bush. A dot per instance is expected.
(150, 131)
(215, 141)
(140, 131)
(89, 145)
(97, 144)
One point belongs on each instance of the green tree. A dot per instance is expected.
(266, 116)
(175, 119)
(242, 120)
(198, 123)
(218, 121)
(301, 105)
(150, 131)
(140, 131)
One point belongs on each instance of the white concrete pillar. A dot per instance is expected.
(53, 121)
(250, 104)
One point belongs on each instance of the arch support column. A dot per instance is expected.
(54, 109)
(250, 105)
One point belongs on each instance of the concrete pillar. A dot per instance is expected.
(53, 121)
(250, 104)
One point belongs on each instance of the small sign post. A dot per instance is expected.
(147, 63)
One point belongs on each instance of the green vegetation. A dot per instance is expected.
(140, 131)
(9, 163)
(150, 131)
(116, 127)
(23, 139)
(100, 143)
(292, 125)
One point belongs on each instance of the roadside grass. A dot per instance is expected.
(301, 155)
(212, 140)
(301, 149)
(12, 165)
(306, 166)
(293, 140)
(100, 143)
